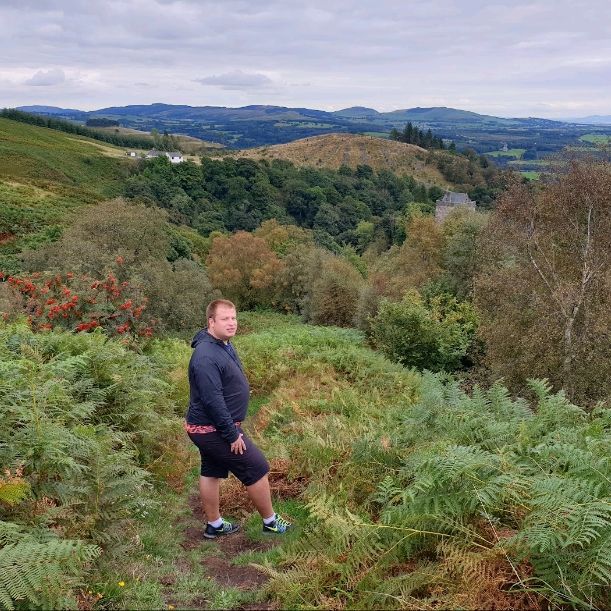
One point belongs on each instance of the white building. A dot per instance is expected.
(173, 156)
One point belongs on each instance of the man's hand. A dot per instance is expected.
(238, 446)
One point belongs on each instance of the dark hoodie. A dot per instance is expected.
(219, 388)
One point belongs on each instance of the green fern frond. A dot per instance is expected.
(39, 573)
(13, 492)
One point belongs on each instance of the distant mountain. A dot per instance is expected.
(592, 120)
(443, 114)
(275, 113)
(356, 112)
(51, 110)
(264, 125)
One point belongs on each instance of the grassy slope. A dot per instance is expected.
(334, 150)
(356, 445)
(405, 492)
(59, 163)
(45, 175)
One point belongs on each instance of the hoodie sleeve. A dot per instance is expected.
(207, 378)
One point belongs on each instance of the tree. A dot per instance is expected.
(102, 233)
(177, 294)
(283, 239)
(334, 293)
(244, 268)
(461, 229)
(434, 335)
(545, 288)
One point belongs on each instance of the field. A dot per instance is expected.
(515, 153)
(531, 174)
(377, 134)
(303, 124)
(596, 138)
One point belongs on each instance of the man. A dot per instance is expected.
(217, 407)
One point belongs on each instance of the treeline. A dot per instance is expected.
(411, 134)
(345, 207)
(101, 122)
(74, 128)
(165, 141)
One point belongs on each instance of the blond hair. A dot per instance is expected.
(213, 306)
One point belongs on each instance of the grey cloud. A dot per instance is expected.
(386, 54)
(237, 80)
(46, 78)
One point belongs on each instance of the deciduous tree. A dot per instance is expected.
(244, 268)
(545, 291)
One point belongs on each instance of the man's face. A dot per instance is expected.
(224, 324)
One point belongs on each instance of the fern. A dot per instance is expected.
(39, 573)
(13, 490)
(79, 415)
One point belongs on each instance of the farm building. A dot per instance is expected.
(450, 201)
(173, 156)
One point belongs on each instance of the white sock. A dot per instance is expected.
(269, 520)
(217, 523)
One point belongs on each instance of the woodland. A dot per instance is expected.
(433, 396)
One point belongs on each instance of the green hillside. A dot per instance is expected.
(45, 176)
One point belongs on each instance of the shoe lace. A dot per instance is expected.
(282, 522)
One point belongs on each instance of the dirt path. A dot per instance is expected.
(215, 559)
(219, 564)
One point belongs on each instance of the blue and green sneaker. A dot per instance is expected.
(226, 528)
(278, 527)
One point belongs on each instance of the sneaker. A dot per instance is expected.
(226, 528)
(278, 527)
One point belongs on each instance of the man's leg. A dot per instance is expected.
(209, 492)
(261, 497)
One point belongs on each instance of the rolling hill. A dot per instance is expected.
(262, 125)
(46, 176)
(335, 150)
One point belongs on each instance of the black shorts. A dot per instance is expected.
(218, 459)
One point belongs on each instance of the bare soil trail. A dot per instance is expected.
(219, 555)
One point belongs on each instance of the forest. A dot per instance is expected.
(433, 395)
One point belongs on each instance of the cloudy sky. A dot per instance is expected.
(546, 58)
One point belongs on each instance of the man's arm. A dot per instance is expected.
(207, 378)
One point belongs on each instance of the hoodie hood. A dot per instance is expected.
(200, 336)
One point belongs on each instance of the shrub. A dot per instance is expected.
(80, 417)
(79, 303)
(177, 294)
(334, 293)
(244, 269)
(481, 502)
(434, 335)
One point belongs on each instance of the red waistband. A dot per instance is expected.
(203, 428)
